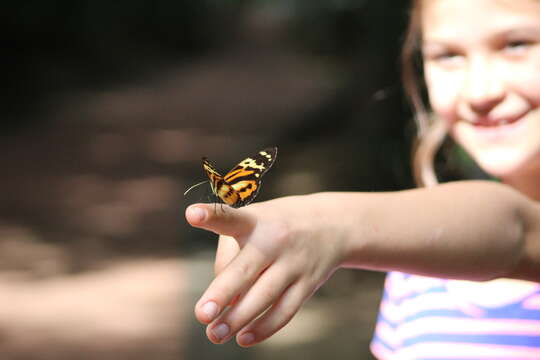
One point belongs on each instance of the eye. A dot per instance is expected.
(443, 55)
(445, 58)
(517, 47)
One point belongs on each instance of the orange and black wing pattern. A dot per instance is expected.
(240, 185)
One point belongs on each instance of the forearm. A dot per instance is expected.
(466, 230)
(274, 255)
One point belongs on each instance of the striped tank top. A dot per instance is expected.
(427, 318)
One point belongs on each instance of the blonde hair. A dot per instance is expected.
(431, 130)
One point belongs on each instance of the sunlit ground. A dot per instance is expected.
(142, 309)
(131, 310)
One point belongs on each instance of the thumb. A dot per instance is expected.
(227, 250)
(229, 221)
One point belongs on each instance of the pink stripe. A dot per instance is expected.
(422, 283)
(395, 286)
(442, 350)
(532, 303)
(430, 301)
(469, 326)
(399, 287)
(387, 334)
(471, 309)
(380, 352)
(390, 312)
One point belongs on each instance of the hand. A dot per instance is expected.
(271, 258)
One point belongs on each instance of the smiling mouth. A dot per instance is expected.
(487, 122)
(493, 130)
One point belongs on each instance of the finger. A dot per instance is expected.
(232, 281)
(226, 251)
(267, 290)
(233, 222)
(274, 318)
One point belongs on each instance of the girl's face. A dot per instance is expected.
(482, 67)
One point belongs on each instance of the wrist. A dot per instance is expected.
(336, 218)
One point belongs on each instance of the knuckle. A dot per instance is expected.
(219, 265)
(281, 234)
(286, 314)
(268, 292)
(244, 270)
(232, 281)
(222, 290)
(220, 293)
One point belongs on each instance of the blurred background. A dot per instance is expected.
(107, 108)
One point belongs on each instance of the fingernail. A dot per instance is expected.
(197, 214)
(220, 331)
(210, 309)
(246, 339)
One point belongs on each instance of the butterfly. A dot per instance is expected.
(242, 183)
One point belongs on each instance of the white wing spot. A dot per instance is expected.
(266, 155)
(252, 164)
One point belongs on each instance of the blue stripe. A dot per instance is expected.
(392, 324)
(380, 341)
(399, 300)
(454, 314)
(511, 340)
(475, 358)
(513, 311)
(507, 313)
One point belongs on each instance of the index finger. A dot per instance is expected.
(231, 222)
(227, 249)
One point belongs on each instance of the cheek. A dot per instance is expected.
(524, 78)
(529, 88)
(443, 93)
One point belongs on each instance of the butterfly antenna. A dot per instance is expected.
(194, 186)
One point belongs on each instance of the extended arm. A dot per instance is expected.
(274, 255)
(473, 230)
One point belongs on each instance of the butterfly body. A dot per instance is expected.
(240, 185)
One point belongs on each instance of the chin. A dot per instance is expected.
(504, 150)
(503, 163)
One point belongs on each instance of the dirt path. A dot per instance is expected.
(130, 310)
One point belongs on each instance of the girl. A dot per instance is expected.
(481, 63)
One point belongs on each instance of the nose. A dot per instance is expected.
(484, 88)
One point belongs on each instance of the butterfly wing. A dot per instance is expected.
(216, 180)
(240, 185)
(244, 180)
